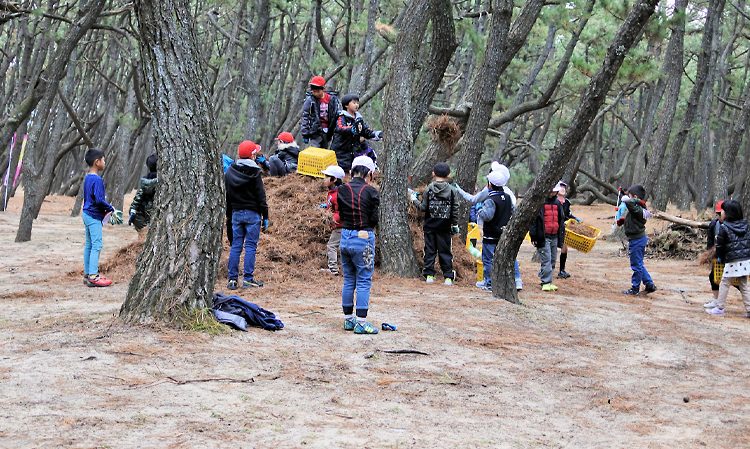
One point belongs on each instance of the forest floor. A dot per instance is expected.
(581, 367)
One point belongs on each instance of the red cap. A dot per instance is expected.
(718, 207)
(248, 149)
(286, 137)
(318, 81)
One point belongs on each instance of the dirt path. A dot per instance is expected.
(582, 367)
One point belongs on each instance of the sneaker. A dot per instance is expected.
(715, 311)
(710, 305)
(631, 291)
(746, 315)
(448, 281)
(232, 284)
(650, 288)
(562, 274)
(98, 281)
(553, 287)
(430, 280)
(546, 287)
(349, 324)
(366, 328)
(519, 284)
(481, 284)
(251, 284)
(329, 271)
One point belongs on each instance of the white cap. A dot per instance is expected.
(335, 171)
(559, 186)
(499, 177)
(495, 165)
(364, 161)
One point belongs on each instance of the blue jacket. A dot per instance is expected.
(239, 313)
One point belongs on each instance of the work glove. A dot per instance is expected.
(378, 135)
(414, 195)
(264, 225)
(116, 217)
(323, 206)
(260, 159)
(130, 219)
(647, 214)
(454, 230)
(305, 140)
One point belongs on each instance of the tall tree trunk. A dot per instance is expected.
(396, 244)
(38, 165)
(673, 72)
(731, 148)
(176, 272)
(503, 284)
(681, 179)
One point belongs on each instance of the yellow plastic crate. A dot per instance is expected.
(475, 233)
(312, 161)
(580, 242)
(719, 273)
(480, 270)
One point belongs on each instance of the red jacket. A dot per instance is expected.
(333, 206)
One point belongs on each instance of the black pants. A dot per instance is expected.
(439, 244)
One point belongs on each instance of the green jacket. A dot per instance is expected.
(635, 222)
(143, 203)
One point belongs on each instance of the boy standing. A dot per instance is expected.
(334, 178)
(246, 201)
(143, 202)
(495, 213)
(95, 210)
(635, 231)
(440, 206)
(319, 114)
(547, 234)
(350, 133)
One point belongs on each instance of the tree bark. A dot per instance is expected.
(177, 270)
(503, 284)
(731, 148)
(396, 245)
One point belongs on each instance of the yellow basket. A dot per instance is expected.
(577, 241)
(719, 273)
(480, 270)
(312, 161)
(475, 233)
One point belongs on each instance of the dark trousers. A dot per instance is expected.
(439, 244)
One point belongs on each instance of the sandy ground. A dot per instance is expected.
(582, 367)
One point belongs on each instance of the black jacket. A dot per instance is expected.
(440, 206)
(346, 134)
(143, 202)
(358, 204)
(635, 222)
(245, 189)
(493, 228)
(311, 123)
(713, 231)
(733, 241)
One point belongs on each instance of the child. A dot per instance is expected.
(495, 214)
(246, 202)
(635, 231)
(733, 249)
(440, 206)
(358, 204)
(713, 232)
(480, 197)
(567, 216)
(319, 113)
(95, 210)
(334, 178)
(143, 202)
(547, 234)
(350, 132)
(285, 160)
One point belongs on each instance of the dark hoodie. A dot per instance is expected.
(440, 206)
(733, 241)
(245, 188)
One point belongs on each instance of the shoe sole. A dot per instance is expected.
(91, 284)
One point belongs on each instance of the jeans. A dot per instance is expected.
(547, 258)
(637, 248)
(245, 228)
(358, 264)
(93, 246)
(488, 255)
(332, 250)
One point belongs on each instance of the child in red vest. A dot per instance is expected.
(334, 178)
(547, 234)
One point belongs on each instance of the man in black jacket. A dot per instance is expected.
(246, 201)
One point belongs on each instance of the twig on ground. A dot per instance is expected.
(191, 381)
(404, 351)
